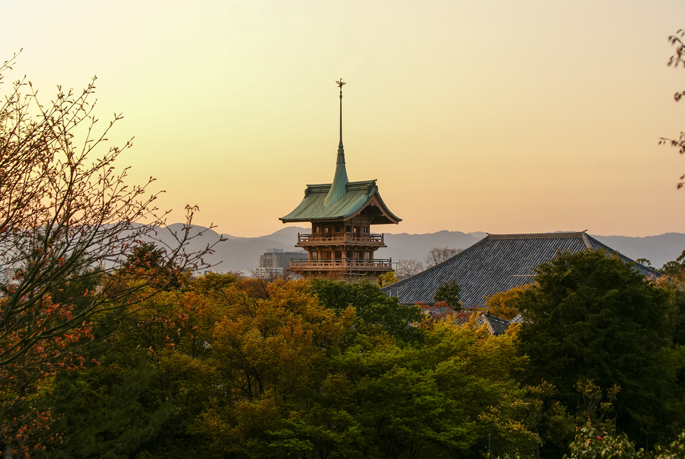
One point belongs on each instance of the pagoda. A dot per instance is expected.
(341, 244)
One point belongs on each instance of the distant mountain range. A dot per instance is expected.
(242, 253)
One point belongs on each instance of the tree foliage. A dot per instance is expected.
(675, 268)
(372, 307)
(505, 304)
(450, 293)
(675, 61)
(229, 367)
(592, 442)
(593, 317)
(386, 279)
(69, 219)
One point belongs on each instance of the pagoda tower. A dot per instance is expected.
(341, 213)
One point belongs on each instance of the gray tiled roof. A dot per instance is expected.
(496, 325)
(495, 264)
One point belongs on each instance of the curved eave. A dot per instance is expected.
(375, 199)
(358, 196)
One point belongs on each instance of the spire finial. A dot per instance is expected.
(340, 84)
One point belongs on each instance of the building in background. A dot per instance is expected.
(497, 263)
(275, 262)
(341, 213)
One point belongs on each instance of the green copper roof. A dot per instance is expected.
(357, 197)
(339, 186)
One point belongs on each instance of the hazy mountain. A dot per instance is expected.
(234, 253)
(242, 253)
(405, 246)
(657, 249)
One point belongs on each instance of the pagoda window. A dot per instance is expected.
(325, 231)
(366, 229)
(314, 255)
(348, 228)
(367, 255)
(338, 229)
(317, 229)
(356, 231)
(338, 255)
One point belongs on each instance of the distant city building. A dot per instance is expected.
(275, 262)
(341, 214)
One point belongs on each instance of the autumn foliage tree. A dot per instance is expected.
(68, 219)
(230, 367)
(505, 304)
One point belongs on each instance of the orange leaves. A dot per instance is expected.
(505, 304)
(275, 346)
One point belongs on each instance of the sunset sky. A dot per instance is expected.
(501, 116)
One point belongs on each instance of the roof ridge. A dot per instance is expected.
(536, 235)
(360, 182)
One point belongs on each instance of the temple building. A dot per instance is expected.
(341, 244)
(495, 264)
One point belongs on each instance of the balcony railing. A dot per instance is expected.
(341, 264)
(347, 238)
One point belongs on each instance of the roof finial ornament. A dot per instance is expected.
(341, 151)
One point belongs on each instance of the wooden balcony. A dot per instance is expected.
(342, 265)
(372, 240)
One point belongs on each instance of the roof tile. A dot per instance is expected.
(495, 264)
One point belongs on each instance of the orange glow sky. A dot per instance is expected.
(475, 115)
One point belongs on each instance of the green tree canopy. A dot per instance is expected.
(450, 293)
(593, 317)
(243, 369)
(372, 306)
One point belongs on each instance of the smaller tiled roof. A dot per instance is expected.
(496, 325)
(357, 196)
(440, 311)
